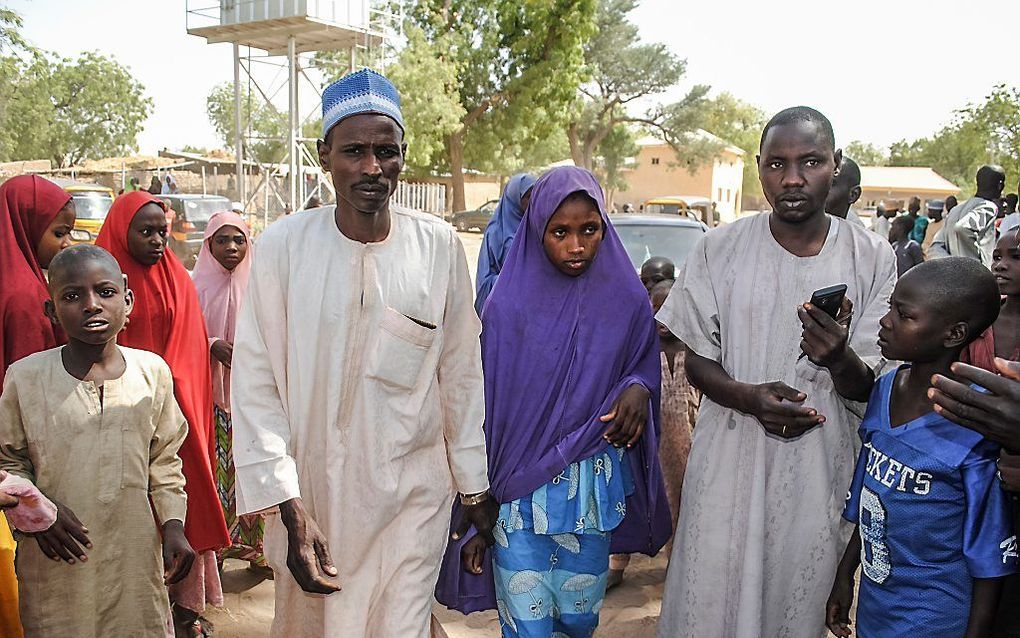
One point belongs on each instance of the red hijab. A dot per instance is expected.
(28, 205)
(167, 320)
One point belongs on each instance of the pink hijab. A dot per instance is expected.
(220, 292)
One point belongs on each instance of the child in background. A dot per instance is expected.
(96, 428)
(933, 531)
(908, 252)
(678, 409)
(221, 279)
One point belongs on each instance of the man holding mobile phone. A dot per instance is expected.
(760, 534)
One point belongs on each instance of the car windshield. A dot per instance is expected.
(665, 209)
(91, 205)
(644, 241)
(200, 210)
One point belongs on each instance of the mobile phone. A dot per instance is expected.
(830, 299)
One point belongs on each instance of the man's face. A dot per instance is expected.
(796, 168)
(841, 196)
(914, 206)
(364, 155)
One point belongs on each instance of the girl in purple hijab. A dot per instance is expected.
(570, 355)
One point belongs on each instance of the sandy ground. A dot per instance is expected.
(631, 610)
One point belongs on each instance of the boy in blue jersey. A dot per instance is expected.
(933, 532)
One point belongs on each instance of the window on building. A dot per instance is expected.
(655, 161)
(727, 194)
(718, 196)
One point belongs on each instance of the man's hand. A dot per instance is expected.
(472, 555)
(837, 608)
(628, 416)
(996, 414)
(65, 538)
(1009, 471)
(307, 551)
(7, 501)
(778, 408)
(223, 351)
(178, 556)
(824, 339)
(482, 516)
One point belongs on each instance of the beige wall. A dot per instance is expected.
(657, 174)
(478, 189)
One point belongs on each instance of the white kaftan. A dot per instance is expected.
(357, 386)
(760, 532)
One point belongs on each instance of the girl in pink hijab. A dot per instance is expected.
(221, 277)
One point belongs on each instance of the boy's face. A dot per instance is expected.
(573, 236)
(91, 303)
(147, 235)
(1006, 264)
(658, 297)
(913, 330)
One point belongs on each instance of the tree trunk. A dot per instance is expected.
(575, 145)
(455, 145)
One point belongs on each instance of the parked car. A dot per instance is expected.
(476, 219)
(191, 214)
(664, 235)
(92, 202)
(690, 205)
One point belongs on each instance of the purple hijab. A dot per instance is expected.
(557, 351)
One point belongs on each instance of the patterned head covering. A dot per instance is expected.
(362, 92)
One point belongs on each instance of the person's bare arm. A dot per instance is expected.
(984, 603)
(994, 414)
(777, 406)
(841, 598)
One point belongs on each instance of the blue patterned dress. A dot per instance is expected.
(551, 556)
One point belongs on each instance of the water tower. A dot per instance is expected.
(284, 29)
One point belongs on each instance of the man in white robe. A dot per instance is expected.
(969, 230)
(357, 394)
(760, 533)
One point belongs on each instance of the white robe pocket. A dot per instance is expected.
(401, 348)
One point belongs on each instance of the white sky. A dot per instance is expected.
(882, 70)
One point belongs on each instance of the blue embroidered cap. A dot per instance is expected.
(364, 91)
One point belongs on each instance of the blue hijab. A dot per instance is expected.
(499, 234)
(557, 351)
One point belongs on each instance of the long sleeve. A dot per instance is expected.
(14, 456)
(460, 380)
(266, 473)
(166, 478)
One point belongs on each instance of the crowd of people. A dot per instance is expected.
(340, 406)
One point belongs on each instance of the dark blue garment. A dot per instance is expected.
(932, 516)
(499, 234)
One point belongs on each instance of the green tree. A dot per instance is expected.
(865, 153)
(486, 83)
(616, 150)
(265, 125)
(71, 110)
(622, 72)
(738, 123)
(982, 133)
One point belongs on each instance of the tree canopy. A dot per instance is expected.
(622, 72)
(69, 110)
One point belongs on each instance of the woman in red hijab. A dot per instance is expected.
(167, 320)
(36, 218)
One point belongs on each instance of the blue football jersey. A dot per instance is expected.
(932, 516)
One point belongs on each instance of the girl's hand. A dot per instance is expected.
(178, 556)
(223, 351)
(629, 415)
(65, 538)
(472, 554)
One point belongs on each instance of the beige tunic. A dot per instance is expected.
(760, 532)
(104, 461)
(357, 386)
